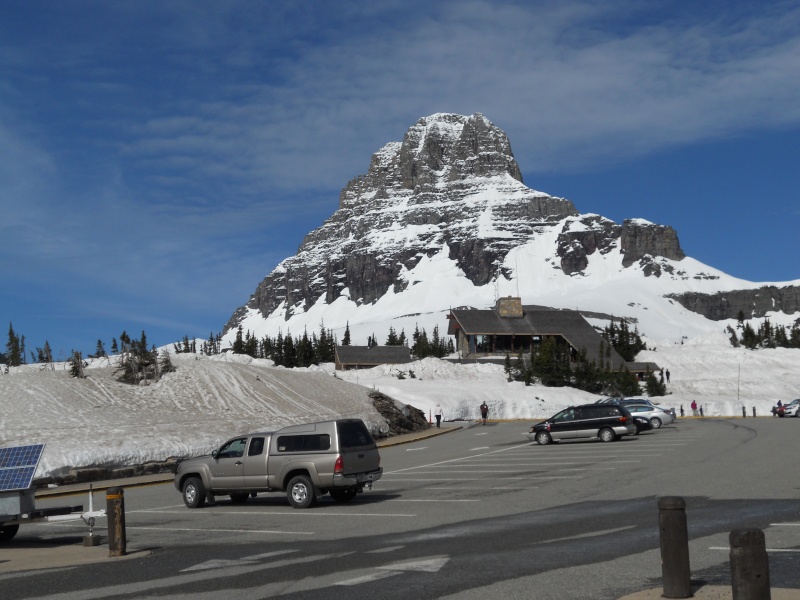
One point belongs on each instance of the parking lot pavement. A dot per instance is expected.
(70, 551)
(712, 592)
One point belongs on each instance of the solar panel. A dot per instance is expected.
(18, 465)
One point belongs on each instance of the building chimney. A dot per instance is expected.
(509, 307)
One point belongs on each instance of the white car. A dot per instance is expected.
(628, 401)
(792, 409)
(656, 416)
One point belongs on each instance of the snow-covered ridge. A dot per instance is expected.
(99, 422)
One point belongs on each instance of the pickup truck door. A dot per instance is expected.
(227, 470)
(255, 463)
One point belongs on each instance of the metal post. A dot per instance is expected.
(754, 411)
(674, 547)
(115, 511)
(749, 565)
(744, 412)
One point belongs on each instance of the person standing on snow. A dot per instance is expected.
(484, 411)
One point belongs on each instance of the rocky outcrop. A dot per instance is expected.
(584, 236)
(640, 238)
(751, 303)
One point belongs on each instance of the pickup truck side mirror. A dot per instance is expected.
(214, 453)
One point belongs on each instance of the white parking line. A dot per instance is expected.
(304, 514)
(206, 530)
(789, 550)
(431, 500)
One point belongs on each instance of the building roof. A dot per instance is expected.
(568, 324)
(376, 355)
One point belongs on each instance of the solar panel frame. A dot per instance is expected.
(18, 466)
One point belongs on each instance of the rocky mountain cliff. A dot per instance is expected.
(451, 183)
(444, 219)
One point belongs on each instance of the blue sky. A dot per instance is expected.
(158, 159)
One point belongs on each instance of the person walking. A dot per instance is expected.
(694, 408)
(667, 375)
(437, 412)
(484, 411)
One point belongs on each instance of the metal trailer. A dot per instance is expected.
(17, 507)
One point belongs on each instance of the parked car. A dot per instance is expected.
(641, 424)
(303, 461)
(626, 401)
(588, 421)
(656, 416)
(787, 410)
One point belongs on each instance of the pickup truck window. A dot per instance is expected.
(233, 449)
(304, 443)
(353, 434)
(256, 446)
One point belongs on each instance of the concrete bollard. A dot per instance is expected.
(115, 514)
(749, 565)
(674, 547)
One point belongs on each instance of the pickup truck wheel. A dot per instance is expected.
(240, 498)
(194, 493)
(7, 532)
(301, 492)
(344, 495)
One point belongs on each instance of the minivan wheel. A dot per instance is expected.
(301, 492)
(543, 438)
(655, 422)
(607, 435)
(194, 493)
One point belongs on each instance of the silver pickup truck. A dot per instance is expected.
(304, 461)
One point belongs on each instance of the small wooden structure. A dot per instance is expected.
(365, 357)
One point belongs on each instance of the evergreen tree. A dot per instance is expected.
(550, 364)
(45, 355)
(13, 348)
(587, 376)
(114, 347)
(100, 349)
(238, 343)
(346, 338)
(76, 365)
(654, 386)
(289, 352)
(165, 362)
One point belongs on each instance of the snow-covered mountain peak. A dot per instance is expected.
(443, 219)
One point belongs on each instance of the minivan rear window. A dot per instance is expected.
(353, 434)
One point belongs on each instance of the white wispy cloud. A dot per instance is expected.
(169, 144)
